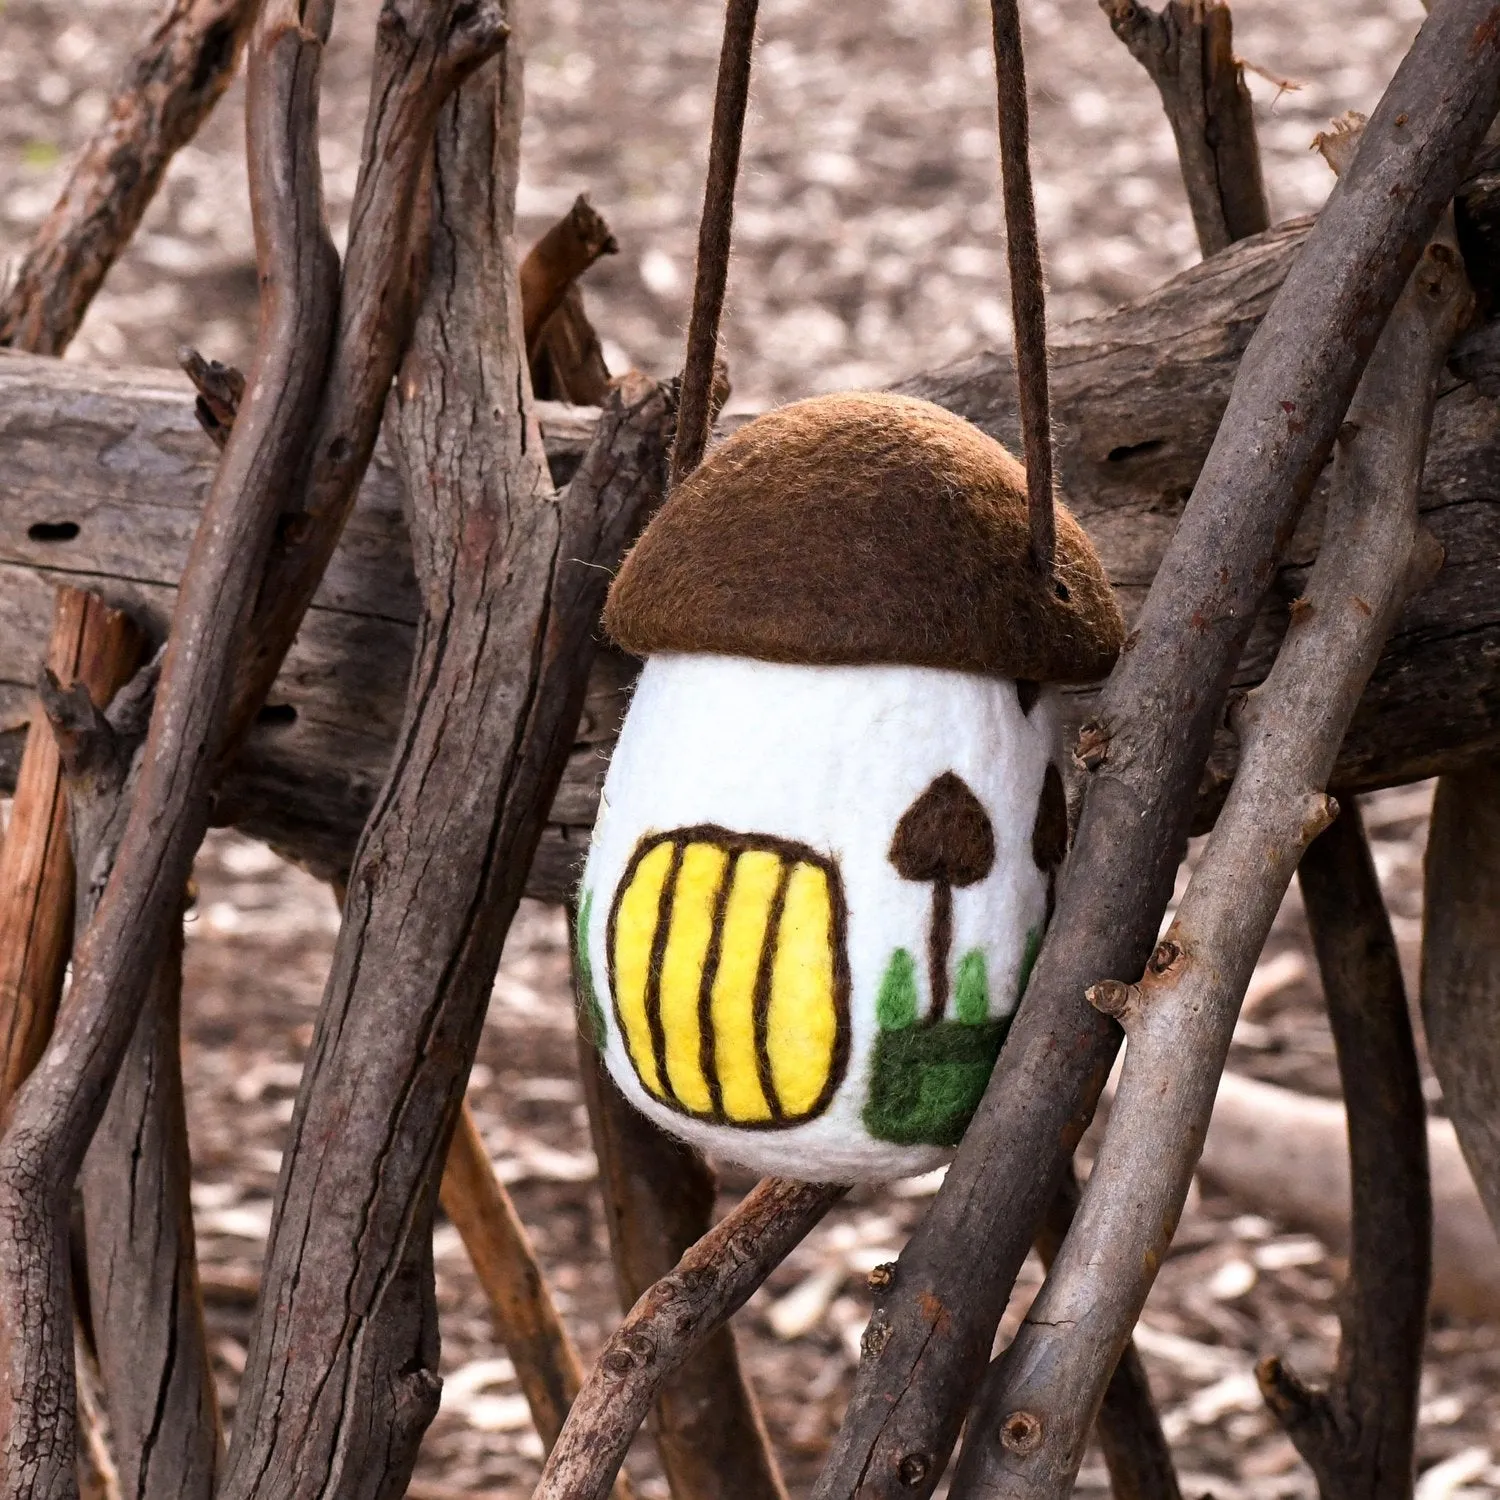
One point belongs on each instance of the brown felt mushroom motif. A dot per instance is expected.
(828, 836)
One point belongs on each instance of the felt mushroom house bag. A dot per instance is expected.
(828, 837)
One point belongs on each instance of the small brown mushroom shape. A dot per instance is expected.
(946, 838)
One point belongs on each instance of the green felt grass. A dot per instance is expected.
(583, 970)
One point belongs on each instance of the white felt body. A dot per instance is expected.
(830, 757)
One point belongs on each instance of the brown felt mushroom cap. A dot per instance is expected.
(864, 528)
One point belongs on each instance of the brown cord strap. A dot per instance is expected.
(695, 405)
(1027, 296)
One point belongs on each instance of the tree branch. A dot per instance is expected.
(57, 1110)
(658, 1199)
(1359, 1436)
(557, 260)
(169, 87)
(1039, 1400)
(1188, 50)
(341, 1379)
(669, 1323)
(1146, 745)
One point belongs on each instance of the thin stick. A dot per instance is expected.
(1028, 293)
(1359, 1435)
(526, 1319)
(170, 85)
(658, 1198)
(1188, 51)
(671, 1320)
(97, 647)
(1461, 965)
(695, 404)
(1034, 1412)
(1145, 747)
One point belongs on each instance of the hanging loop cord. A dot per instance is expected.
(695, 402)
(1028, 298)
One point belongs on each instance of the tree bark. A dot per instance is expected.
(341, 1379)
(1461, 965)
(1188, 51)
(97, 647)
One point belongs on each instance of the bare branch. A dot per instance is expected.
(169, 87)
(658, 1199)
(1188, 49)
(1461, 965)
(1179, 1018)
(1359, 1436)
(673, 1319)
(221, 388)
(342, 1377)
(557, 260)
(94, 648)
(57, 1110)
(1147, 744)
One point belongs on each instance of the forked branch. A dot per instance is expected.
(1032, 1420)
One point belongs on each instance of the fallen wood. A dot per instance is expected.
(105, 473)
(1461, 964)
(1286, 1155)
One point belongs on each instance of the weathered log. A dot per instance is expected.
(105, 473)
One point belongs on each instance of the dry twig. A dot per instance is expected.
(1032, 1419)
(171, 83)
(556, 261)
(658, 1198)
(1146, 745)
(1359, 1435)
(1188, 49)
(342, 1377)
(672, 1320)
(97, 648)
(1461, 965)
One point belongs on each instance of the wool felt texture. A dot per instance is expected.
(764, 970)
(865, 528)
